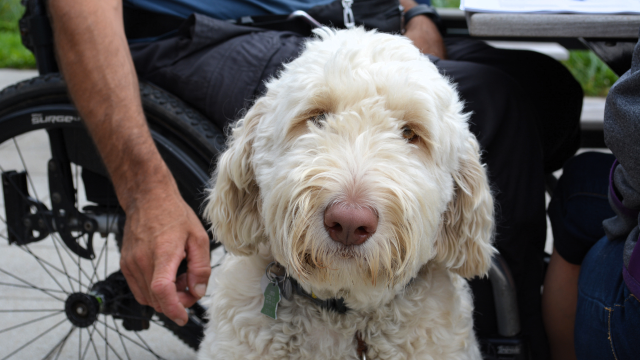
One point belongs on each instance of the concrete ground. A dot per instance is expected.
(36, 280)
(11, 76)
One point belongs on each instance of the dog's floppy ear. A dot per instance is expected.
(467, 228)
(233, 203)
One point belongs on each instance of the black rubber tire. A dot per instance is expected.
(176, 127)
(161, 109)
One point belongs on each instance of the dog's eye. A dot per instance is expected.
(318, 120)
(409, 134)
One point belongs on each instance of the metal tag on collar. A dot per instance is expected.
(271, 294)
(271, 301)
(347, 13)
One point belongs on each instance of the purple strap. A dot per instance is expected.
(629, 213)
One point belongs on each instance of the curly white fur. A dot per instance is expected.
(330, 129)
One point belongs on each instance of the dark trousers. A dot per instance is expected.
(514, 97)
(526, 112)
(607, 313)
(580, 204)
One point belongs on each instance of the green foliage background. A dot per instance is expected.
(12, 53)
(595, 77)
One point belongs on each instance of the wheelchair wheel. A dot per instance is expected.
(62, 295)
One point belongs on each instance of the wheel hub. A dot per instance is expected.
(82, 309)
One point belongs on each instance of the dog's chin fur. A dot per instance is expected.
(329, 131)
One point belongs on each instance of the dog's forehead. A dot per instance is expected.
(381, 78)
(343, 68)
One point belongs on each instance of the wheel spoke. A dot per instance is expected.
(104, 337)
(29, 310)
(58, 348)
(133, 341)
(31, 321)
(24, 166)
(147, 345)
(24, 248)
(106, 262)
(63, 272)
(93, 343)
(72, 257)
(86, 348)
(31, 285)
(34, 339)
(97, 263)
(44, 268)
(33, 288)
(64, 266)
(117, 329)
(79, 343)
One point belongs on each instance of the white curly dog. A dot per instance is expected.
(357, 179)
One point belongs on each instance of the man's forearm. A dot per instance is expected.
(94, 57)
(424, 33)
(161, 229)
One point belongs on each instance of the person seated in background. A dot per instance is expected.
(591, 299)
(525, 113)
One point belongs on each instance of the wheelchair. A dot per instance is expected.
(63, 282)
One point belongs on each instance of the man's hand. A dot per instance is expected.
(161, 230)
(424, 33)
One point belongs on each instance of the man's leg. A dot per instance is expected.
(503, 123)
(555, 96)
(608, 314)
(576, 211)
(216, 67)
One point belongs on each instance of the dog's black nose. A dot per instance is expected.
(350, 225)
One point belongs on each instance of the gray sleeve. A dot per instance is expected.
(622, 136)
(622, 121)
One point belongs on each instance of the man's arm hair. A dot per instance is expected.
(94, 57)
(161, 229)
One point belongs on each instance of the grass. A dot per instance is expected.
(595, 77)
(12, 53)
